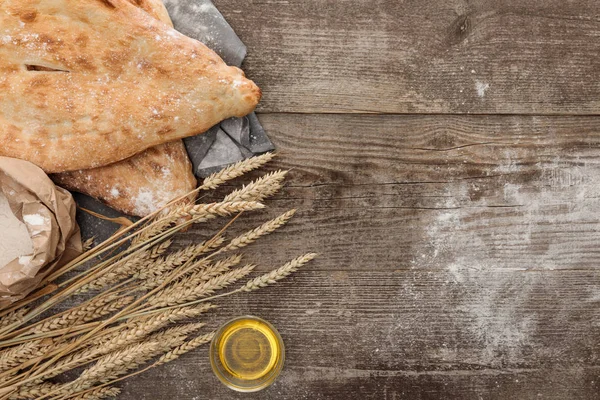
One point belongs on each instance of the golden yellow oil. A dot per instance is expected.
(247, 354)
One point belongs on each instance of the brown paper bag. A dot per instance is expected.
(57, 241)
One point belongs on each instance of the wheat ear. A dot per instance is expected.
(97, 307)
(88, 244)
(184, 348)
(278, 274)
(137, 329)
(98, 394)
(203, 212)
(204, 271)
(260, 189)
(112, 366)
(126, 268)
(175, 295)
(265, 229)
(13, 316)
(175, 332)
(161, 266)
(15, 356)
(236, 170)
(34, 391)
(171, 355)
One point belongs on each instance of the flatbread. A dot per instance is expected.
(86, 83)
(139, 185)
(145, 182)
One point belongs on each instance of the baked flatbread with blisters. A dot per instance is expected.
(145, 182)
(86, 83)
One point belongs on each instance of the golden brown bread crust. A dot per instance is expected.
(139, 185)
(145, 182)
(132, 83)
(156, 8)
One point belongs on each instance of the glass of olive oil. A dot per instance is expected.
(247, 354)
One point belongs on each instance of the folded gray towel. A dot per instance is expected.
(236, 138)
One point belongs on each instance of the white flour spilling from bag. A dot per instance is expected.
(14, 238)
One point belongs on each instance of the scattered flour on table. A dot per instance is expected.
(481, 88)
(14, 237)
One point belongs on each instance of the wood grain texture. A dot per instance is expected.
(459, 254)
(458, 261)
(442, 56)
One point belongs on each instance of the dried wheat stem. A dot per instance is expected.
(203, 271)
(203, 212)
(112, 366)
(211, 182)
(136, 329)
(175, 353)
(176, 259)
(15, 356)
(259, 189)
(34, 391)
(88, 336)
(278, 274)
(97, 307)
(98, 394)
(88, 244)
(177, 295)
(253, 235)
(254, 284)
(236, 170)
(180, 331)
(14, 316)
(124, 269)
(139, 327)
(184, 348)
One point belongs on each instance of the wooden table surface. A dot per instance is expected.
(445, 159)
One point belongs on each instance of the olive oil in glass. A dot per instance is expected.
(247, 354)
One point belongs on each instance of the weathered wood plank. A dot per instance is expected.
(441, 56)
(458, 260)
(416, 334)
(460, 192)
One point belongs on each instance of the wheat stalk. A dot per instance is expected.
(124, 269)
(113, 365)
(278, 274)
(184, 348)
(203, 212)
(34, 391)
(14, 316)
(118, 332)
(265, 229)
(171, 355)
(88, 244)
(180, 331)
(136, 330)
(259, 189)
(204, 271)
(166, 264)
(15, 356)
(177, 295)
(139, 327)
(97, 307)
(236, 170)
(98, 394)
(254, 284)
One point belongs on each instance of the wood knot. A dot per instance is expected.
(460, 29)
